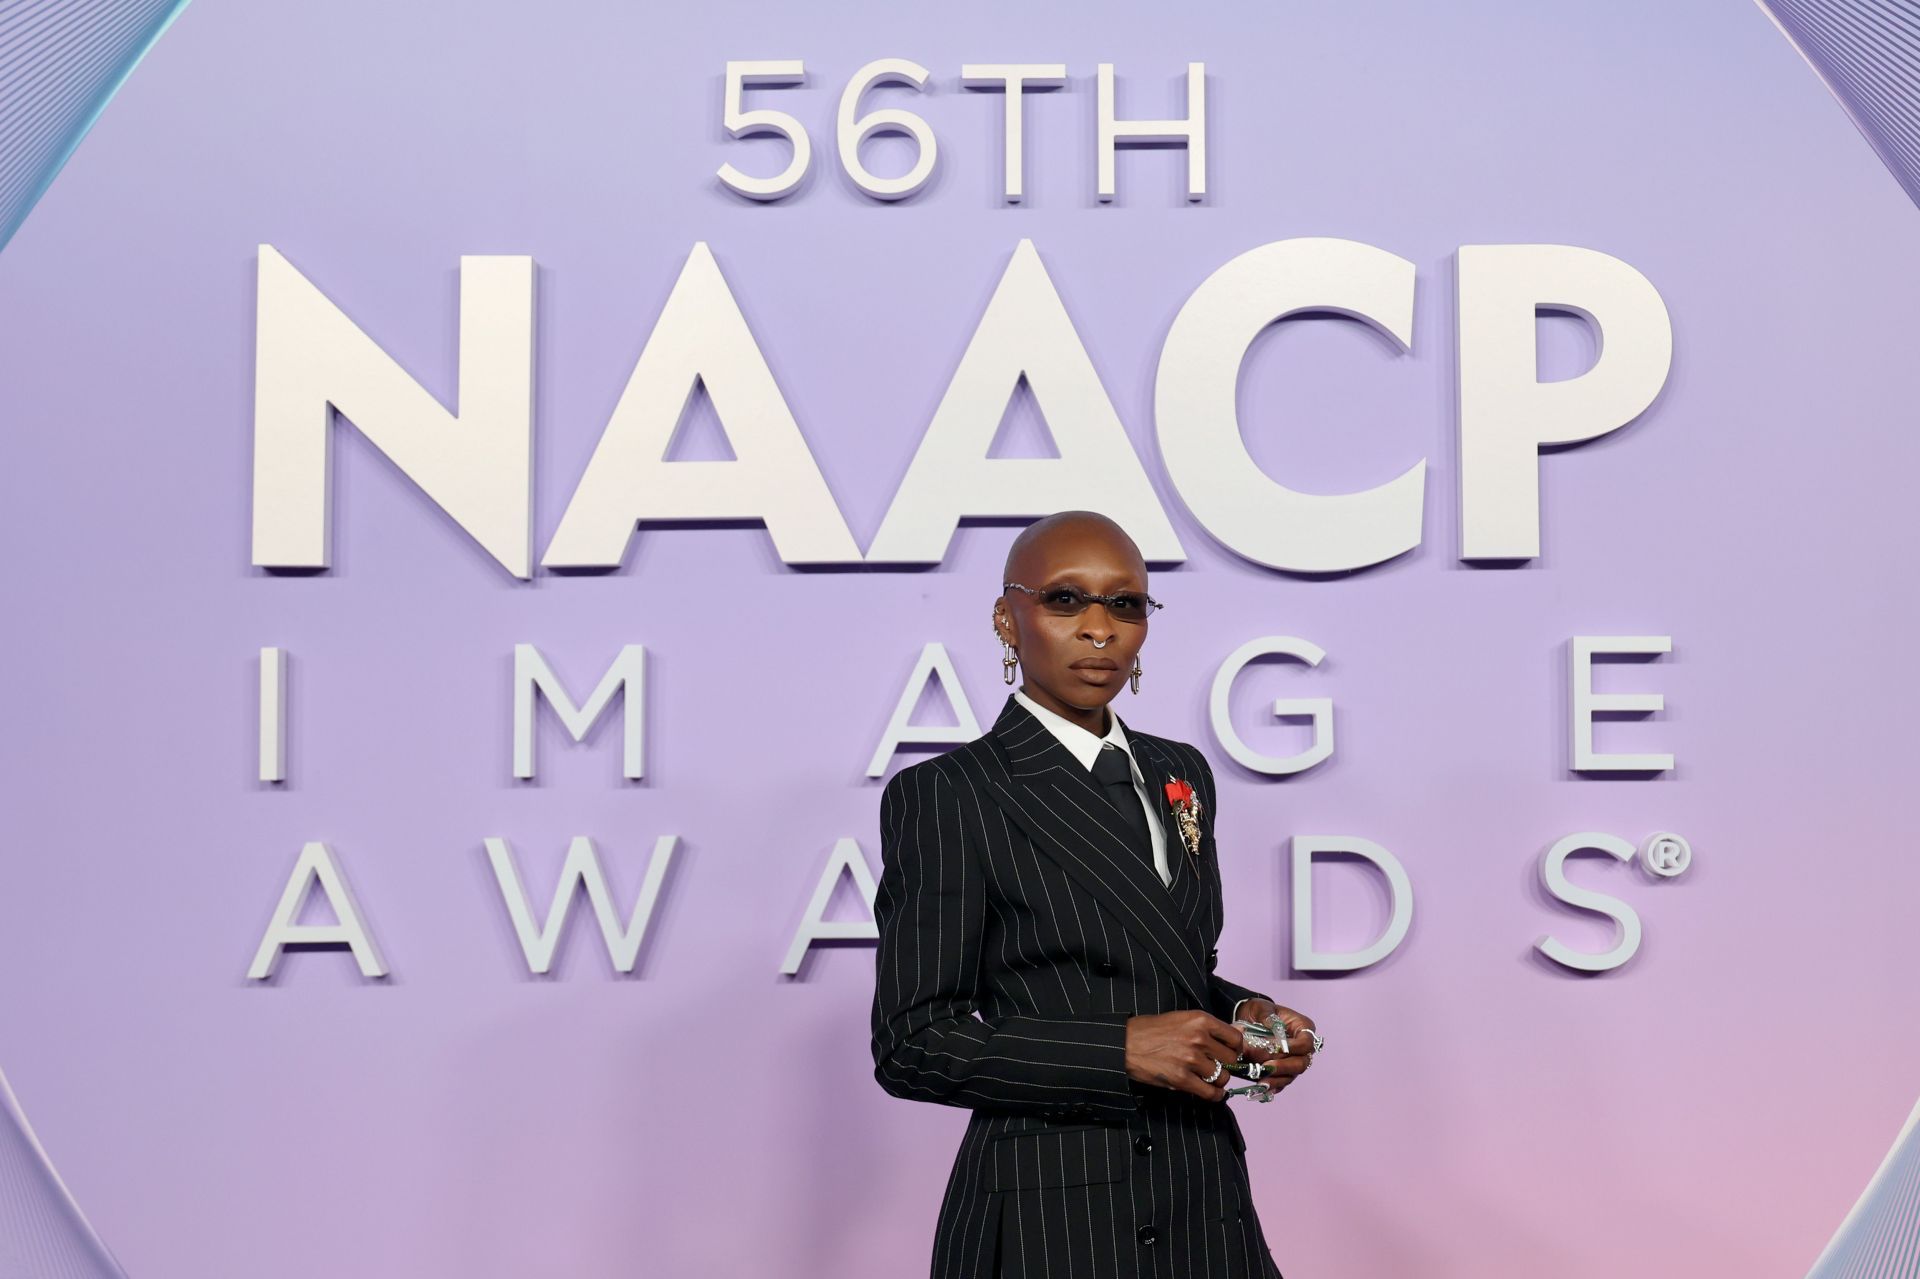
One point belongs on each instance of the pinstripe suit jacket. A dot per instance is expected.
(1019, 929)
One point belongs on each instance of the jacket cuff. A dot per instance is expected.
(1094, 1042)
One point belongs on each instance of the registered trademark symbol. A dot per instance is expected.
(1665, 854)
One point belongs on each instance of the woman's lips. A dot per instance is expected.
(1095, 670)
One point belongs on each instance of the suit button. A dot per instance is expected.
(1147, 1234)
(1143, 1145)
(1103, 968)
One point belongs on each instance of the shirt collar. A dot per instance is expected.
(1082, 743)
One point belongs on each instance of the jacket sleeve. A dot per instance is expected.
(929, 1044)
(1227, 997)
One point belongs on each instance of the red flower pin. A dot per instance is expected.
(1186, 811)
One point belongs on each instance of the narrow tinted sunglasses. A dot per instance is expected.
(1069, 601)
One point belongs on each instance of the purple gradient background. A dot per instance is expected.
(1712, 1108)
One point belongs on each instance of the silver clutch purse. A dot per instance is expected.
(1266, 1036)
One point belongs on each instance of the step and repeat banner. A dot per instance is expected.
(495, 492)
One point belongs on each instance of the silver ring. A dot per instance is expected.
(1218, 1066)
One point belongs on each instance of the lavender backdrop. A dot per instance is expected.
(1712, 1108)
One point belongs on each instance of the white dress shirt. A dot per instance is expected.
(1085, 746)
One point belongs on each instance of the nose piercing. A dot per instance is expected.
(1103, 643)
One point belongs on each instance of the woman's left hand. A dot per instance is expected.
(1283, 1067)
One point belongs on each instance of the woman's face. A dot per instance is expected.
(1060, 664)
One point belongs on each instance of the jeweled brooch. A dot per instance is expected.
(1186, 811)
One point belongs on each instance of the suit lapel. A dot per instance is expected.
(1153, 764)
(1189, 884)
(1052, 797)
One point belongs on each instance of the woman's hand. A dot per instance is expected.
(1282, 1067)
(1178, 1050)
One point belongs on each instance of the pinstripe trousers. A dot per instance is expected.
(1019, 929)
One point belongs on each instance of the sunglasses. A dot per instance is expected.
(1070, 601)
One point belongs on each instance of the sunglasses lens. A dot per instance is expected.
(1064, 600)
(1068, 601)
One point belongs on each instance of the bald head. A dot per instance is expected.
(1040, 544)
(1073, 661)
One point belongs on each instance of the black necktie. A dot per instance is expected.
(1115, 775)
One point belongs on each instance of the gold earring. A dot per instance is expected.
(1133, 677)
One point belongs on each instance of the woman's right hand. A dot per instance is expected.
(1178, 1050)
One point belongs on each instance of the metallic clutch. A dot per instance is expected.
(1265, 1036)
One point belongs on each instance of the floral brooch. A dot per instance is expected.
(1186, 811)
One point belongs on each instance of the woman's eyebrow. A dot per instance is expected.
(1069, 579)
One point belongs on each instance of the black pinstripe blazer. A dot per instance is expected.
(1019, 929)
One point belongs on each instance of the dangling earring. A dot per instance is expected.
(1133, 677)
(1009, 661)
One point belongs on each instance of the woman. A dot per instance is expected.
(1047, 920)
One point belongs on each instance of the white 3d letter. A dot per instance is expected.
(477, 465)
(316, 863)
(273, 714)
(814, 926)
(1586, 703)
(582, 867)
(1317, 709)
(1195, 406)
(1192, 130)
(532, 675)
(1399, 889)
(933, 661)
(1554, 875)
(1506, 414)
(1026, 330)
(1015, 78)
(701, 336)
